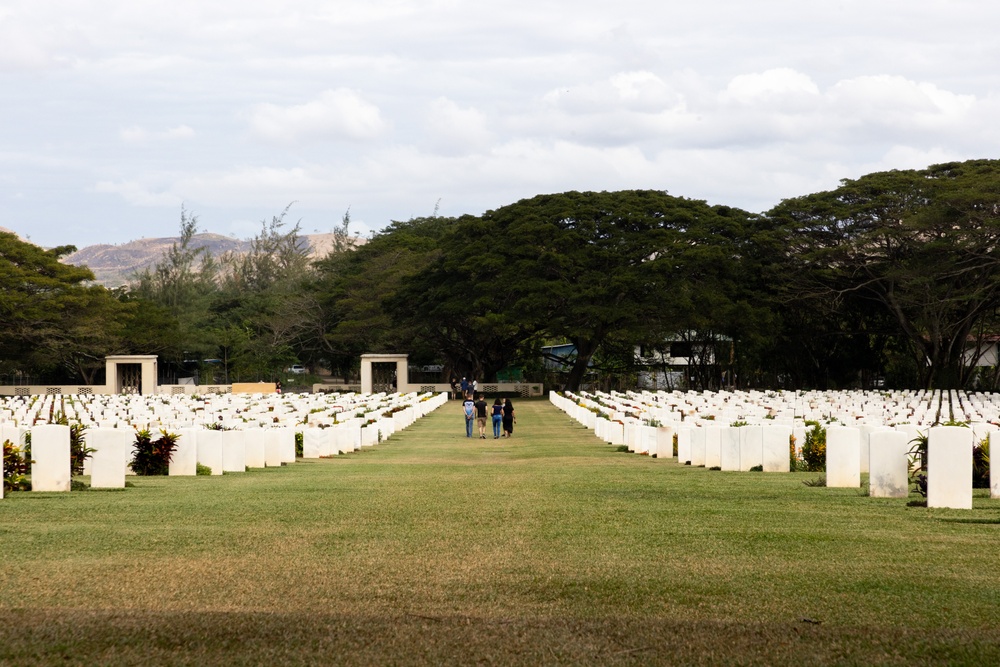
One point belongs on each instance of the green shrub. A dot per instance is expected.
(78, 450)
(16, 466)
(918, 463)
(202, 469)
(814, 448)
(981, 464)
(795, 464)
(298, 443)
(759, 468)
(152, 457)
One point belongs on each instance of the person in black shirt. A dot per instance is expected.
(481, 408)
(508, 419)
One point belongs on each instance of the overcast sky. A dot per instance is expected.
(115, 114)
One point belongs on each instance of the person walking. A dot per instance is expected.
(465, 388)
(469, 410)
(508, 418)
(481, 408)
(497, 415)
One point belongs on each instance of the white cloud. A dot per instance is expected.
(782, 83)
(138, 194)
(336, 114)
(135, 134)
(388, 105)
(453, 129)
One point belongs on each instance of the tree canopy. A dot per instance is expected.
(893, 278)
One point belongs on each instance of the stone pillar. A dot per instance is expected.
(843, 457)
(949, 467)
(888, 470)
(50, 453)
(402, 370)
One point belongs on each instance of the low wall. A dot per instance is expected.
(54, 390)
(255, 388)
(524, 389)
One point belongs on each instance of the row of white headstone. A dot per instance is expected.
(248, 444)
(883, 451)
(227, 410)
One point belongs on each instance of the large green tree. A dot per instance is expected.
(921, 244)
(634, 265)
(355, 290)
(52, 319)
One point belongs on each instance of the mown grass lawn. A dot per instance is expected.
(549, 548)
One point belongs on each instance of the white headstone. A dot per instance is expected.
(110, 456)
(888, 469)
(843, 457)
(698, 447)
(312, 443)
(272, 447)
(713, 446)
(287, 439)
(209, 443)
(254, 439)
(751, 447)
(684, 445)
(949, 467)
(775, 448)
(234, 451)
(50, 453)
(184, 462)
(995, 466)
(729, 456)
(664, 442)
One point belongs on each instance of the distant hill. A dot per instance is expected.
(113, 264)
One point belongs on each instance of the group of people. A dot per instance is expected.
(475, 407)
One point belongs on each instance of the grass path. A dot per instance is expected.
(549, 548)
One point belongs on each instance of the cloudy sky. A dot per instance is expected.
(115, 114)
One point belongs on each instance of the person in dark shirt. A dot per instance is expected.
(481, 408)
(508, 419)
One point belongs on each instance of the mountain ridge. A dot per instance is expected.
(113, 264)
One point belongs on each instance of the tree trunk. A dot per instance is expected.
(585, 350)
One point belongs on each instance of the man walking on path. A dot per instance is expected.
(469, 410)
(481, 408)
